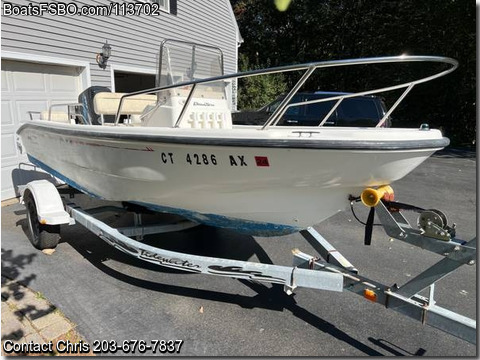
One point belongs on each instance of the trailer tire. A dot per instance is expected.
(41, 236)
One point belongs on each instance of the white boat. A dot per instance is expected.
(185, 157)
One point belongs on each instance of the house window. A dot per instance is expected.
(169, 6)
(164, 4)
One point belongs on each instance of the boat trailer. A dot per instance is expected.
(329, 270)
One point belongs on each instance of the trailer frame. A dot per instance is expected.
(328, 270)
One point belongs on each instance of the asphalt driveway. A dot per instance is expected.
(113, 297)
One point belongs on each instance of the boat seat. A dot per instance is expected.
(56, 116)
(107, 103)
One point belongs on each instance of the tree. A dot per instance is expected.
(257, 91)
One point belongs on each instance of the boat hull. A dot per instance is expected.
(261, 190)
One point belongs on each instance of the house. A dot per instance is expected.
(51, 52)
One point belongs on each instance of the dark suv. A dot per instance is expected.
(365, 111)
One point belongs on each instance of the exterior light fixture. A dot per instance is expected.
(102, 57)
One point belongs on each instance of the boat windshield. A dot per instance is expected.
(183, 61)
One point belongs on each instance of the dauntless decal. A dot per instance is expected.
(239, 272)
(198, 103)
(174, 263)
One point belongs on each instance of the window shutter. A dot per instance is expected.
(173, 7)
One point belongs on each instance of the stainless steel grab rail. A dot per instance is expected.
(309, 69)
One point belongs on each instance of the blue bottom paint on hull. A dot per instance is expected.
(238, 225)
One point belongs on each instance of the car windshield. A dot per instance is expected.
(292, 110)
(358, 109)
(319, 110)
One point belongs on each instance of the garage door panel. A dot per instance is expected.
(62, 83)
(29, 87)
(7, 189)
(19, 161)
(28, 82)
(9, 129)
(5, 86)
(7, 113)
(25, 107)
(9, 150)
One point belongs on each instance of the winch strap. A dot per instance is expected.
(401, 206)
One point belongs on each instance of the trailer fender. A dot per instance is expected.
(48, 202)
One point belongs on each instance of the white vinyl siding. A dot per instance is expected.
(135, 40)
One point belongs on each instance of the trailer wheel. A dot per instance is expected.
(42, 236)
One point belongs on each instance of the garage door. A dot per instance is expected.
(28, 88)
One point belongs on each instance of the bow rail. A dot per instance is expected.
(308, 69)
